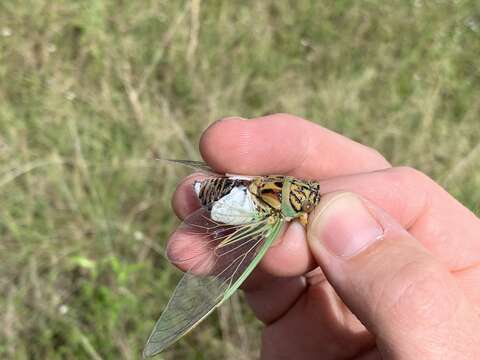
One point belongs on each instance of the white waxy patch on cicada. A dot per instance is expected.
(197, 186)
(239, 177)
(235, 208)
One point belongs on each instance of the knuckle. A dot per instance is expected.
(411, 192)
(419, 295)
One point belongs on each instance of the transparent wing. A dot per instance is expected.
(196, 165)
(217, 258)
(204, 167)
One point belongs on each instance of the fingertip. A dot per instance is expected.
(184, 199)
(226, 141)
(188, 251)
(289, 255)
(270, 144)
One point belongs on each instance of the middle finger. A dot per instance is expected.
(411, 198)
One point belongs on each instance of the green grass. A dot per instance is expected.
(97, 89)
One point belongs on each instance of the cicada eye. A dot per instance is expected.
(307, 206)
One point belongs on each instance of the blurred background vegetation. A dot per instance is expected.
(92, 91)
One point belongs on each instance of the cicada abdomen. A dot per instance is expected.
(213, 189)
(228, 199)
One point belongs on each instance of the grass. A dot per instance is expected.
(91, 91)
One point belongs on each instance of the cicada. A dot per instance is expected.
(223, 241)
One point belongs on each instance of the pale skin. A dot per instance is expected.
(399, 256)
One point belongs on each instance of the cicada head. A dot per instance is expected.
(300, 197)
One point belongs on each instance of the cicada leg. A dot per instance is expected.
(303, 219)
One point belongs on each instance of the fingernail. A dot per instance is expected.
(233, 117)
(228, 118)
(345, 227)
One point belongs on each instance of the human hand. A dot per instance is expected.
(406, 282)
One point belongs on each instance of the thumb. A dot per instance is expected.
(408, 300)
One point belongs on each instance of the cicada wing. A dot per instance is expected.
(194, 298)
(219, 258)
(205, 168)
(196, 165)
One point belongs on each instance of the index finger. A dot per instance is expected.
(285, 144)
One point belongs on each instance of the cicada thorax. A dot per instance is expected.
(269, 190)
(213, 189)
(290, 196)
